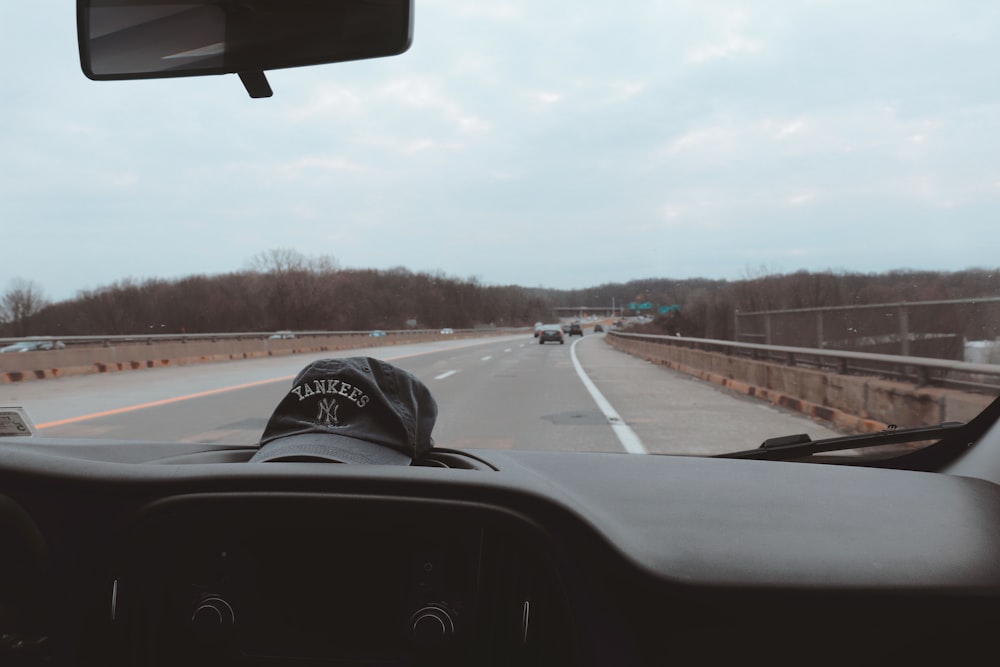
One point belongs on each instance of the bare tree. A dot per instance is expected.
(280, 261)
(294, 289)
(23, 300)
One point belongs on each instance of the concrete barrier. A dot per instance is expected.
(850, 403)
(25, 366)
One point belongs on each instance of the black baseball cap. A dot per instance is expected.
(351, 410)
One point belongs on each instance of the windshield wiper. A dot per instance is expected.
(798, 446)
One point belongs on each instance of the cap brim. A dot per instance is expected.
(327, 447)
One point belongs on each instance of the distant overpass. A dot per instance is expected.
(588, 311)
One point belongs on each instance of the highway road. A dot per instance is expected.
(504, 392)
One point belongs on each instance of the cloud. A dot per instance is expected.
(801, 198)
(319, 163)
(863, 131)
(787, 130)
(546, 97)
(329, 100)
(420, 145)
(493, 11)
(705, 143)
(116, 180)
(425, 93)
(729, 47)
(621, 91)
(731, 44)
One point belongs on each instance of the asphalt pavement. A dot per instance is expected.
(506, 392)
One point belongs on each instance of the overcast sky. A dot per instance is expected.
(558, 144)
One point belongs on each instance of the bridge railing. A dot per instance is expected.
(854, 391)
(920, 371)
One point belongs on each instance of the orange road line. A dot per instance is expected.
(177, 399)
(165, 401)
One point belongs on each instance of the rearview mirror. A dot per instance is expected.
(145, 39)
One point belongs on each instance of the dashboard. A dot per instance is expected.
(178, 554)
(241, 579)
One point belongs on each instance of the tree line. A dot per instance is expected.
(283, 289)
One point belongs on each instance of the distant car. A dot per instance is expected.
(377, 333)
(33, 346)
(282, 335)
(565, 328)
(598, 328)
(575, 329)
(446, 331)
(550, 332)
(538, 327)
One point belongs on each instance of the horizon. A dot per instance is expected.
(903, 271)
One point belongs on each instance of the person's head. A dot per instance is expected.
(351, 410)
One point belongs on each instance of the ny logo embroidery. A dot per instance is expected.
(327, 411)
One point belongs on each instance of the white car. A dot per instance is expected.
(33, 346)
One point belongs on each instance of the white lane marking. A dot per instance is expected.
(630, 441)
(487, 357)
(507, 350)
(444, 375)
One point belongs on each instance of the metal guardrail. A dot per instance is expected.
(905, 328)
(100, 354)
(921, 371)
(150, 339)
(878, 306)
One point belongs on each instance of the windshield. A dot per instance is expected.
(744, 222)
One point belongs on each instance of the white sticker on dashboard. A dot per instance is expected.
(14, 422)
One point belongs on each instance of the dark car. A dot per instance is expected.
(598, 328)
(575, 329)
(550, 332)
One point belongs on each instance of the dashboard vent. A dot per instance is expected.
(531, 620)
